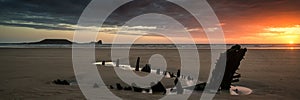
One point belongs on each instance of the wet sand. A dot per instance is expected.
(26, 73)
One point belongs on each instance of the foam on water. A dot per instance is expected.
(239, 90)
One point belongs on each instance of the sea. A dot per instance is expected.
(153, 46)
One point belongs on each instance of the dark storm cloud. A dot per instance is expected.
(139, 7)
(49, 14)
(41, 14)
(59, 14)
(229, 9)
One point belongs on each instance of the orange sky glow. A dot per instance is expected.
(243, 22)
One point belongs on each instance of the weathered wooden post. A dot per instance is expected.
(178, 73)
(137, 65)
(146, 68)
(158, 71)
(118, 63)
(103, 62)
(179, 88)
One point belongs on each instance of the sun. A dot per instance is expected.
(291, 42)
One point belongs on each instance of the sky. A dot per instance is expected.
(243, 21)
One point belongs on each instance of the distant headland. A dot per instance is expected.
(52, 41)
(59, 41)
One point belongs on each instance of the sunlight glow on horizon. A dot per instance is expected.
(271, 35)
(291, 42)
(287, 34)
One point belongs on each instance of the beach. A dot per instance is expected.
(27, 73)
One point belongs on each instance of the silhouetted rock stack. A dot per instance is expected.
(147, 68)
(158, 88)
(232, 59)
(99, 42)
(53, 41)
(137, 65)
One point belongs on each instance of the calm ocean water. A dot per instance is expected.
(154, 46)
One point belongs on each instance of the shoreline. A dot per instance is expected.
(107, 48)
(26, 73)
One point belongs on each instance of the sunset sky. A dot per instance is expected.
(243, 21)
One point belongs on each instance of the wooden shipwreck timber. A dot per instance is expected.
(231, 58)
(226, 66)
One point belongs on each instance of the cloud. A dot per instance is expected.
(288, 33)
(236, 16)
(42, 14)
(285, 30)
(51, 14)
(139, 7)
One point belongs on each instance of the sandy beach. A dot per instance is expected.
(27, 73)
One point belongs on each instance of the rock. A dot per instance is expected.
(147, 68)
(200, 87)
(147, 90)
(119, 87)
(136, 88)
(128, 88)
(53, 41)
(59, 82)
(65, 82)
(111, 87)
(167, 75)
(158, 88)
(99, 42)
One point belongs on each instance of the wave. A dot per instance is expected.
(153, 46)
